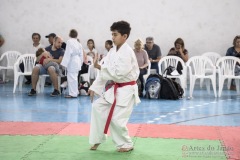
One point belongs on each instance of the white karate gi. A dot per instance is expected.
(72, 60)
(120, 66)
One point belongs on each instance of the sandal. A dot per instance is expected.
(69, 96)
(125, 149)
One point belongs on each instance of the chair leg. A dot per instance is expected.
(192, 84)
(237, 85)
(221, 81)
(229, 83)
(20, 82)
(201, 82)
(214, 86)
(15, 83)
(4, 71)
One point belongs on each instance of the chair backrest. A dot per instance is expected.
(89, 58)
(213, 56)
(227, 65)
(28, 61)
(11, 58)
(200, 64)
(170, 61)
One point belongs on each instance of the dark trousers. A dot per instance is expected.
(28, 78)
(142, 72)
(154, 65)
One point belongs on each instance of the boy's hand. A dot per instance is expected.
(91, 93)
(95, 63)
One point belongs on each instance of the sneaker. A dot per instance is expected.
(64, 84)
(55, 93)
(32, 92)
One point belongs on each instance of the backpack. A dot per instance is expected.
(170, 69)
(170, 89)
(153, 86)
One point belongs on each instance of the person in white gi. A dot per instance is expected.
(72, 60)
(120, 65)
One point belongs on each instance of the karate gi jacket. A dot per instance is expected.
(73, 56)
(119, 66)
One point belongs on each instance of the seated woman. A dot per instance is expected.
(235, 51)
(91, 51)
(180, 51)
(142, 59)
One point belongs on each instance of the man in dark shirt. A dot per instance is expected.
(57, 53)
(154, 53)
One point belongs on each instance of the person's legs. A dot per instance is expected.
(119, 129)
(37, 70)
(142, 72)
(53, 76)
(100, 110)
(72, 84)
(155, 66)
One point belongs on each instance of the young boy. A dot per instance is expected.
(73, 60)
(41, 55)
(115, 105)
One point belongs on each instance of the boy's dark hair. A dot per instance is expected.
(73, 33)
(122, 27)
(39, 52)
(109, 42)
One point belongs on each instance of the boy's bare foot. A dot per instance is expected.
(95, 146)
(125, 149)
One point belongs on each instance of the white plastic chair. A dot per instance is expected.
(198, 66)
(173, 61)
(28, 61)
(86, 76)
(226, 68)
(213, 56)
(9, 58)
(41, 83)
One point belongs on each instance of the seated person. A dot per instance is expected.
(36, 37)
(179, 51)
(235, 51)
(57, 53)
(42, 55)
(91, 51)
(142, 59)
(154, 53)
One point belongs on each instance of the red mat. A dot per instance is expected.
(229, 136)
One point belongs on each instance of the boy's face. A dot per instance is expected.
(118, 39)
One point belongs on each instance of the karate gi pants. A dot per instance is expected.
(72, 79)
(118, 128)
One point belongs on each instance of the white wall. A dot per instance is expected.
(205, 25)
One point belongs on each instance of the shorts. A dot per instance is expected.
(42, 70)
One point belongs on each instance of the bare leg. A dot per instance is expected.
(35, 76)
(53, 77)
(94, 147)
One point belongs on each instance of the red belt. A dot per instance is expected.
(116, 86)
